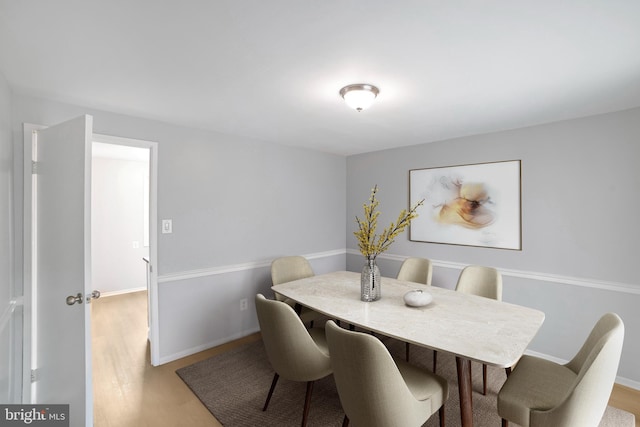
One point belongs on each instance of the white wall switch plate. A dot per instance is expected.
(167, 226)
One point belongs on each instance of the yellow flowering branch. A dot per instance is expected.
(371, 247)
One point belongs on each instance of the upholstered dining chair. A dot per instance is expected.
(290, 268)
(417, 270)
(377, 391)
(543, 393)
(295, 352)
(485, 282)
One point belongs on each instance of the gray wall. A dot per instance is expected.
(580, 183)
(8, 317)
(235, 205)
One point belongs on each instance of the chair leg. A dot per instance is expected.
(406, 349)
(441, 415)
(273, 386)
(307, 403)
(505, 423)
(435, 360)
(484, 379)
(345, 421)
(311, 324)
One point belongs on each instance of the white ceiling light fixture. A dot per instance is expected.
(359, 96)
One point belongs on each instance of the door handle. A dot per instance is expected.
(74, 299)
(94, 295)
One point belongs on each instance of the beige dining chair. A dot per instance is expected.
(295, 352)
(485, 282)
(290, 268)
(417, 270)
(378, 391)
(541, 393)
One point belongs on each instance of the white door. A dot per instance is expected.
(62, 268)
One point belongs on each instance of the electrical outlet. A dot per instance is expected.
(244, 304)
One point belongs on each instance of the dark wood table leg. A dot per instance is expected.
(464, 387)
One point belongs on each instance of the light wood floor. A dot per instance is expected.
(129, 392)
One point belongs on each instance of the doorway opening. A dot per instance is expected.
(119, 218)
(124, 223)
(119, 253)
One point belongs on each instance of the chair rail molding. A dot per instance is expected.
(532, 275)
(225, 269)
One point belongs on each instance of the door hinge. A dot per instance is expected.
(34, 375)
(34, 167)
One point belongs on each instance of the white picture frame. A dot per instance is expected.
(470, 205)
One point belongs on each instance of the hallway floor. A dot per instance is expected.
(128, 391)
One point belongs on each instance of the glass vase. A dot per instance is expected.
(370, 281)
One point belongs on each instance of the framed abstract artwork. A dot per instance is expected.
(471, 205)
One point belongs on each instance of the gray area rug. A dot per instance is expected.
(234, 386)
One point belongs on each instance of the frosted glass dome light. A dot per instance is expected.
(359, 96)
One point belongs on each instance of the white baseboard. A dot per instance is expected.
(628, 383)
(202, 347)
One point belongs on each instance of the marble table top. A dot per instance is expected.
(476, 328)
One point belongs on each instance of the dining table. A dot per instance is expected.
(470, 327)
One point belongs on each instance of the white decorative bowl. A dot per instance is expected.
(417, 298)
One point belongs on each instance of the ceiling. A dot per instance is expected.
(271, 70)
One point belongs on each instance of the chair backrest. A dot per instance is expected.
(371, 388)
(292, 352)
(288, 269)
(418, 270)
(479, 280)
(596, 366)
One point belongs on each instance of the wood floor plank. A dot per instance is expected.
(627, 399)
(129, 392)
